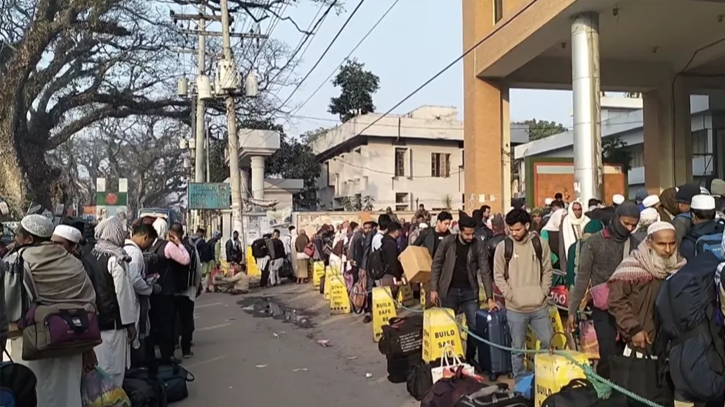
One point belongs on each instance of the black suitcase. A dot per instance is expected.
(493, 328)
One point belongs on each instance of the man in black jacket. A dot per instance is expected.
(457, 266)
(390, 251)
(430, 238)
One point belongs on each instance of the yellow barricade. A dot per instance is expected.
(554, 372)
(440, 330)
(558, 342)
(339, 300)
(482, 304)
(328, 280)
(224, 267)
(461, 318)
(252, 269)
(383, 310)
(405, 296)
(318, 270)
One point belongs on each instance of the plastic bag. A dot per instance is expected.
(98, 390)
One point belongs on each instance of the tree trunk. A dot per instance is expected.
(13, 183)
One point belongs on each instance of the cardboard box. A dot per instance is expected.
(416, 264)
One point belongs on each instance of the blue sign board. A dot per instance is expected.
(209, 195)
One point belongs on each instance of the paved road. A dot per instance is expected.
(243, 356)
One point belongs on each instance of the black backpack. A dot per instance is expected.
(259, 249)
(184, 277)
(420, 380)
(508, 254)
(402, 336)
(376, 264)
(206, 250)
(17, 385)
(691, 338)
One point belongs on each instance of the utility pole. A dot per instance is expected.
(235, 174)
(200, 122)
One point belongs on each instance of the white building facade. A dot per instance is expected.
(622, 118)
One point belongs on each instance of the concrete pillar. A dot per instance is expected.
(588, 171)
(245, 183)
(667, 136)
(485, 106)
(257, 177)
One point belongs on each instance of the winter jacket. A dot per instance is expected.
(444, 265)
(390, 257)
(632, 304)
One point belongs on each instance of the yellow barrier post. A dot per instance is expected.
(558, 342)
(405, 296)
(383, 310)
(461, 318)
(554, 372)
(328, 278)
(339, 300)
(318, 270)
(482, 304)
(252, 269)
(439, 331)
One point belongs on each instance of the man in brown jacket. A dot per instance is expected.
(634, 285)
(524, 278)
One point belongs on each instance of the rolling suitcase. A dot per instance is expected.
(493, 328)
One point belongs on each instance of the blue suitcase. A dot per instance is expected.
(494, 328)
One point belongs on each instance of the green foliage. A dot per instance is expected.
(614, 151)
(357, 87)
(310, 136)
(218, 168)
(539, 129)
(296, 160)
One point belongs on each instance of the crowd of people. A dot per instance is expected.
(139, 288)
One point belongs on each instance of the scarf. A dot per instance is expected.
(110, 238)
(572, 229)
(301, 242)
(554, 222)
(641, 265)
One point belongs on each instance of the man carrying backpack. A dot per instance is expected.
(683, 220)
(186, 297)
(523, 273)
(706, 232)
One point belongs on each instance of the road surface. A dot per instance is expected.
(245, 356)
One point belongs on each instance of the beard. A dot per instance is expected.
(664, 263)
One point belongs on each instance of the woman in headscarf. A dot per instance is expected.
(572, 229)
(117, 313)
(537, 223)
(59, 278)
(303, 260)
(572, 258)
(668, 208)
(551, 234)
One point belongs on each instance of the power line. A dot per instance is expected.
(323, 54)
(348, 56)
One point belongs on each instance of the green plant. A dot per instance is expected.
(614, 151)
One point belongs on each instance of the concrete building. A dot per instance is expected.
(399, 160)
(667, 50)
(622, 118)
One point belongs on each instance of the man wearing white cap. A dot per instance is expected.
(618, 199)
(634, 284)
(68, 237)
(706, 232)
(652, 201)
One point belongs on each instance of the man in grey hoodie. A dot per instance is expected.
(524, 279)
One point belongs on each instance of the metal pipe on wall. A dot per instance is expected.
(586, 85)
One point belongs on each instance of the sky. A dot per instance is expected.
(415, 41)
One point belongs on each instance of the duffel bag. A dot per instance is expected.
(578, 393)
(398, 367)
(495, 395)
(58, 330)
(402, 337)
(172, 375)
(420, 380)
(448, 391)
(145, 393)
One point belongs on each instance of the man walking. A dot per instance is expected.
(277, 256)
(457, 265)
(523, 273)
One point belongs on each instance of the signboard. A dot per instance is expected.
(206, 195)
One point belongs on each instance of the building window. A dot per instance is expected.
(400, 162)
(440, 165)
(497, 10)
(702, 154)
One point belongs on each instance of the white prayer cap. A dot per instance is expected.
(548, 201)
(423, 225)
(651, 201)
(659, 226)
(703, 203)
(649, 215)
(68, 233)
(704, 191)
(37, 225)
(618, 199)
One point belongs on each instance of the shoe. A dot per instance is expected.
(188, 355)
(176, 360)
(367, 319)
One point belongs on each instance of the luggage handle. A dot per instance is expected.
(551, 341)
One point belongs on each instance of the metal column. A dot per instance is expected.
(257, 177)
(588, 171)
